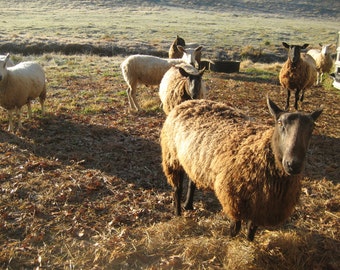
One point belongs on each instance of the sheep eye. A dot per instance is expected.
(280, 123)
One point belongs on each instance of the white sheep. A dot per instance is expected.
(19, 85)
(181, 82)
(297, 73)
(148, 70)
(254, 169)
(323, 59)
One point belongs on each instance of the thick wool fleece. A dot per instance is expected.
(299, 76)
(173, 87)
(21, 83)
(221, 149)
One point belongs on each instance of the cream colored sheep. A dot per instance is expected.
(19, 85)
(254, 169)
(147, 70)
(323, 59)
(297, 73)
(181, 82)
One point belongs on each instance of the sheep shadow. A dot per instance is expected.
(118, 153)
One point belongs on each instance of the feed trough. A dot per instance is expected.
(220, 65)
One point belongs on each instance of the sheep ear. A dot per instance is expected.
(273, 108)
(201, 71)
(286, 45)
(305, 46)
(315, 115)
(198, 48)
(183, 72)
(7, 58)
(180, 48)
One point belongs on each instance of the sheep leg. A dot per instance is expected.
(42, 98)
(319, 78)
(297, 92)
(235, 227)
(134, 100)
(188, 205)
(287, 100)
(302, 95)
(131, 93)
(128, 92)
(178, 189)
(18, 112)
(251, 231)
(10, 120)
(29, 109)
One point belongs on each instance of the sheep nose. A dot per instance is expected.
(293, 167)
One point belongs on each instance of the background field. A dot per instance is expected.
(82, 187)
(112, 27)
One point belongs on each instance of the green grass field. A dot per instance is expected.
(154, 27)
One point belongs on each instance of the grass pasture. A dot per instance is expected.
(82, 187)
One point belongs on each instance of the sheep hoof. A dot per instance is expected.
(188, 206)
(235, 227)
(251, 231)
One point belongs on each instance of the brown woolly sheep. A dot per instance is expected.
(297, 73)
(181, 82)
(174, 52)
(323, 59)
(254, 169)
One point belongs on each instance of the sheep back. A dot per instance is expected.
(146, 69)
(221, 149)
(22, 83)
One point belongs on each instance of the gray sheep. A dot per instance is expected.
(297, 73)
(19, 85)
(181, 82)
(254, 169)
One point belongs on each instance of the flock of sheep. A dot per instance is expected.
(254, 169)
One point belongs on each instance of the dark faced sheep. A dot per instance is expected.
(181, 82)
(174, 52)
(297, 73)
(254, 169)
